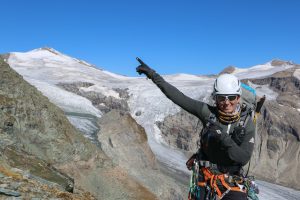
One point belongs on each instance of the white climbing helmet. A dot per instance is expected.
(227, 84)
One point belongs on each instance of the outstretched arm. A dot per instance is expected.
(192, 106)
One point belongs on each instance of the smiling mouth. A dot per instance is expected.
(227, 109)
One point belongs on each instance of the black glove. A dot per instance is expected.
(216, 132)
(144, 69)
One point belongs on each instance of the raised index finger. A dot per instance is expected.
(140, 61)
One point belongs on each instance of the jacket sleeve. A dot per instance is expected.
(240, 154)
(197, 108)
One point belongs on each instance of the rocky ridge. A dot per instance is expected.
(32, 127)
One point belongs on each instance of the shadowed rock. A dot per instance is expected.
(34, 126)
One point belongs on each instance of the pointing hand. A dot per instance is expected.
(144, 69)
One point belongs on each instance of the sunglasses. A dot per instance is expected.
(226, 97)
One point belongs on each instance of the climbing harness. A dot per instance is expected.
(207, 184)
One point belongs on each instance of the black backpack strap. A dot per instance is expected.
(246, 116)
(209, 120)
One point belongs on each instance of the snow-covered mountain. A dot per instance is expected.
(46, 68)
(85, 93)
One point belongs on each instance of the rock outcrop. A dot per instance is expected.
(123, 140)
(181, 131)
(277, 150)
(32, 127)
(27, 177)
(99, 100)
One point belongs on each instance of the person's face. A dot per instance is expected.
(227, 103)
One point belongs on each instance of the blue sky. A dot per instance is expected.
(172, 36)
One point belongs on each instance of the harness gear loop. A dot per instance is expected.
(213, 180)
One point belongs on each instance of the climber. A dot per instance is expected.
(227, 139)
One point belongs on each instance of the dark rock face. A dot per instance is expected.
(181, 131)
(20, 184)
(100, 101)
(286, 85)
(38, 168)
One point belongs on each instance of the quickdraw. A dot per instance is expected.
(194, 191)
(251, 188)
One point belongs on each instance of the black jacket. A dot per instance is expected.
(224, 151)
